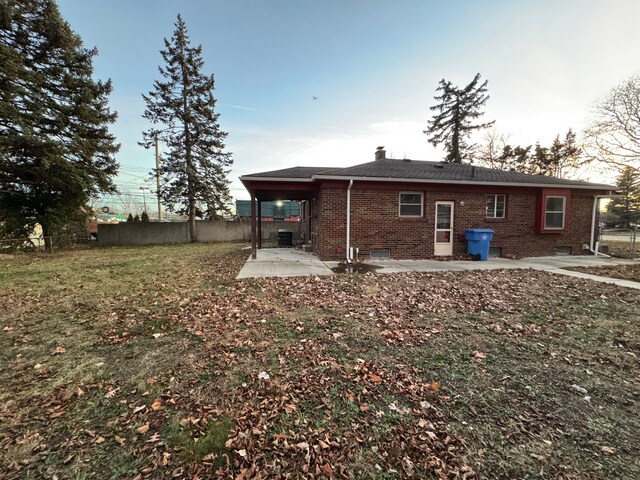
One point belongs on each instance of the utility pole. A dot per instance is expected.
(144, 197)
(158, 179)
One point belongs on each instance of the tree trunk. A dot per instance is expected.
(189, 161)
(192, 222)
(46, 234)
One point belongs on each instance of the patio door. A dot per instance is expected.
(443, 238)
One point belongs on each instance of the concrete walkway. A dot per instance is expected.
(288, 262)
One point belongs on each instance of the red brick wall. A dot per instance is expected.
(332, 203)
(376, 224)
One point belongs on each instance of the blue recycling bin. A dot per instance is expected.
(478, 240)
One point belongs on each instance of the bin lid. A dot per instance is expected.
(284, 230)
(478, 230)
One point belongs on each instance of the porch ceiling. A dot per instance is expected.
(284, 195)
(279, 190)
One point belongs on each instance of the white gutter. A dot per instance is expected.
(593, 247)
(349, 221)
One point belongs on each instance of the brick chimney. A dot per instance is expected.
(381, 154)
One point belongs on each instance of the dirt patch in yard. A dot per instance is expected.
(624, 272)
(160, 364)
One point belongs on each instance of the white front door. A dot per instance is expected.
(443, 238)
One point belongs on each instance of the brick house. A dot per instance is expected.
(409, 209)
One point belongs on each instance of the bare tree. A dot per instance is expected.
(130, 204)
(613, 137)
(489, 154)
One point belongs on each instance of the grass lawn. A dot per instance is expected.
(153, 362)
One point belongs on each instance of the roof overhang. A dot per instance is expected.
(593, 186)
(314, 178)
(246, 178)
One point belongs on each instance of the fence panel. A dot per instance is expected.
(34, 244)
(621, 242)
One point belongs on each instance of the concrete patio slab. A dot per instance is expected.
(289, 262)
(283, 262)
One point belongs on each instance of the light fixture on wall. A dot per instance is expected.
(462, 203)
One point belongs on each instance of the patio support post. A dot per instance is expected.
(253, 226)
(259, 223)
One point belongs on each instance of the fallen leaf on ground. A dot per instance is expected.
(478, 356)
(111, 392)
(157, 403)
(143, 429)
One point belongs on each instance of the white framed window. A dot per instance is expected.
(496, 206)
(554, 212)
(410, 204)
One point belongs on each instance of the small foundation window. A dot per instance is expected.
(379, 254)
(563, 251)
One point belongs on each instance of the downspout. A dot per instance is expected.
(593, 245)
(348, 253)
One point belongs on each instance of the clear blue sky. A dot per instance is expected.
(374, 66)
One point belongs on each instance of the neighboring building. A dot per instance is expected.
(415, 209)
(285, 210)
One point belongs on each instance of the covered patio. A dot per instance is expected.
(288, 184)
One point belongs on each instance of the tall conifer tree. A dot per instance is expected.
(457, 109)
(627, 206)
(181, 109)
(56, 151)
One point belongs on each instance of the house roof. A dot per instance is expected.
(392, 170)
(293, 173)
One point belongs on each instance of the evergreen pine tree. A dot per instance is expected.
(560, 160)
(136, 219)
(144, 217)
(130, 218)
(181, 109)
(55, 148)
(627, 207)
(564, 156)
(457, 109)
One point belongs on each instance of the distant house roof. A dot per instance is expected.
(393, 170)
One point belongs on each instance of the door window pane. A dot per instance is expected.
(443, 236)
(443, 216)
